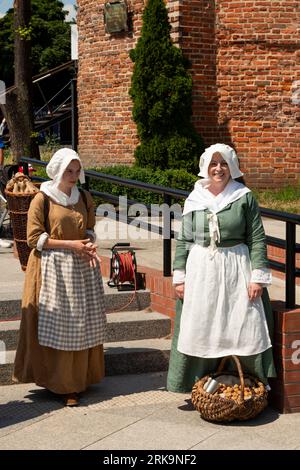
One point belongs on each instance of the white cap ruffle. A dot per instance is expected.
(227, 153)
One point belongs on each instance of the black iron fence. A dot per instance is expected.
(288, 244)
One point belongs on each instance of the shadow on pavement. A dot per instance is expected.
(41, 402)
(268, 415)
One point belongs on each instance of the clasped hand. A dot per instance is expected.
(87, 250)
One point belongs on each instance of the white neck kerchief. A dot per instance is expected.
(201, 198)
(55, 170)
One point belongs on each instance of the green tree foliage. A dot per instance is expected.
(161, 90)
(50, 38)
(7, 47)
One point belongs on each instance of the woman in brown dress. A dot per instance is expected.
(63, 316)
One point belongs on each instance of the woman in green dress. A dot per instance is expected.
(220, 276)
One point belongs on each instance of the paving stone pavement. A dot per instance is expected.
(131, 413)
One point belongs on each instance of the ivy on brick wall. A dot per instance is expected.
(161, 90)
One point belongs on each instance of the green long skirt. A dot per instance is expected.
(185, 370)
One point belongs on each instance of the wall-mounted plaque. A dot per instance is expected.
(115, 16)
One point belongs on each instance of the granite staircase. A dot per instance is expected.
(138, 339)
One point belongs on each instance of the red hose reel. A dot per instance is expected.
(123, 267)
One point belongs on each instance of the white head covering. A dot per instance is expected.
(55, 170)
(227, 153)
(59, 163)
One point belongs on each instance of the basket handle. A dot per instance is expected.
(240, 371)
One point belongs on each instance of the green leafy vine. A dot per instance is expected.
(24, 32)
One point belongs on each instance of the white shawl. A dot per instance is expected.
(201, 198)
(55, 170)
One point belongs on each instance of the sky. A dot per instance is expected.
(69, 6)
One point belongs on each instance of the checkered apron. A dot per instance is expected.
(71, 303)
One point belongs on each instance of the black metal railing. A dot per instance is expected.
(291, 248)
(288, 244)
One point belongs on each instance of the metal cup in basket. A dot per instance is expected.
(217, 408)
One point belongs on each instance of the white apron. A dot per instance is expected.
(218, 319)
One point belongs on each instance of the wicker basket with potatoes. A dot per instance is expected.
(227, 396)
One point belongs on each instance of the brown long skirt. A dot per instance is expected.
(59, 371)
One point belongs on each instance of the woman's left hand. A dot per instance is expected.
(92, 257)
(93, 261)
(254, 291)
(95, 257)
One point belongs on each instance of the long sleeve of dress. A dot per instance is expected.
(35, 221)
(184, 242)
(255, 235)
(91, 219)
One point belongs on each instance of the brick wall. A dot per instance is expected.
(244, 61)
(285, 395)
(107, 134)
(257, 65)
(198, 42)
(106, 131)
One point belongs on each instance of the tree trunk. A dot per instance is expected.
(18, 109)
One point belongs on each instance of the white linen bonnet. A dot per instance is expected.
(227, 153)
(59, 163)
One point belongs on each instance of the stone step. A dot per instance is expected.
(115, 300)
(137, 357)
(125, 357)
(6, 366)
(122, 326)
(137, 325)
(10, 308)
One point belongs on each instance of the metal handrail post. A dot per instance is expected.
(290, 265)
(167, 251)
(86, 185)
